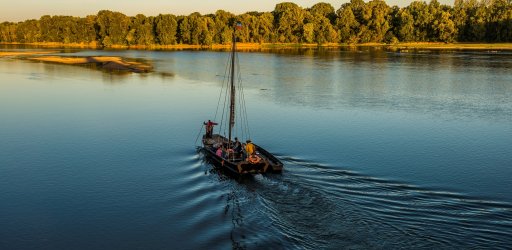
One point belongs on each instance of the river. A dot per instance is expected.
(382, 150)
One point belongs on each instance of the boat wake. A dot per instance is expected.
(318, 206)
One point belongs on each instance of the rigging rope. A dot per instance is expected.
(198, 134)
(243, 106)
(224, 81)
(241, 121)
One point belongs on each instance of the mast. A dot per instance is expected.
(232, 98)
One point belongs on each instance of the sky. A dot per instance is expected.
(19, 10)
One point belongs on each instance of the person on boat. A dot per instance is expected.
(237, 146)
(250, 148)
(243, 152)
(220, 152)
(209, 128)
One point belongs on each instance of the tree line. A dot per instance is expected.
(354, 22)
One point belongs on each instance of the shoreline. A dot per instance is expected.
(255, 46)
(47, 51)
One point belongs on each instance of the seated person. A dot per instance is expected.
(220, 152)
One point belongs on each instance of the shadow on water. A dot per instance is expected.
(234, 196)
(319, 206)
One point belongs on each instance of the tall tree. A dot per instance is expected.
(405, 29)
(8, 32)
(376, 19)
(112, 27)
(223, 22)
(347, 24)
(318, 25)
(459, 17)
(247, 33)
(28, 31)
(196, 29)
(266, 29)
(141, 31)
(325, 10)
(289, 22)
(422, 19)
(166, 28)
(476, 22)
(499, 25)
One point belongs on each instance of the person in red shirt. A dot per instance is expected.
(209, 128)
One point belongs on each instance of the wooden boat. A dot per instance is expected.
(232, 156)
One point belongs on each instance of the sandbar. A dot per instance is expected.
(105, 62)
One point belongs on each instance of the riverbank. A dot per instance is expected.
(24, 53)
(259, 46)
(453, 46)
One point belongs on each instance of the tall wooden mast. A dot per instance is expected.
(232, 98)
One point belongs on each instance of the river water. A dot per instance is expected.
(382, 150)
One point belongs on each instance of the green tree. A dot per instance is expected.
(8, 32)
(309, 33)
(48, 29)
(166, 28)
(405, 29)
(499, 25)
(289, 22)
(28, 31)
(266, 28)
(459, 18)
(195, 29)
(318, 26)
(325, 10)
(248, 31)
(422, 19)
(67, 29)
(347, 24)
(476, 22)
(86, 27)
(318, 29)
(112, 27)
(223, 22)
(376, 18)
(141, 31)
(445, 27)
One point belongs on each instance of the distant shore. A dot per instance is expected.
(114, 63)
(25, 53)
(397, 46)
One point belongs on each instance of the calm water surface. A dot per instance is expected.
(382, 150)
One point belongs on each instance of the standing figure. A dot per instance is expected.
(250, 148)
(209, 128)
(237, 146)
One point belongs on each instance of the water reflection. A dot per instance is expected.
(319, 206)
(358, 174)
(469, 85)
(458, 84)
(233, 208)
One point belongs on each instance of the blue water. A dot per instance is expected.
(381, 150)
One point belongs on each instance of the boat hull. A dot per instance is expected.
(267, 162)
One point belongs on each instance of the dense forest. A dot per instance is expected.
(354, 22)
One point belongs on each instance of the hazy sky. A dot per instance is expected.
(18, 10)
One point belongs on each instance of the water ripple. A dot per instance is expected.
(397, 211)
(313, 205)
